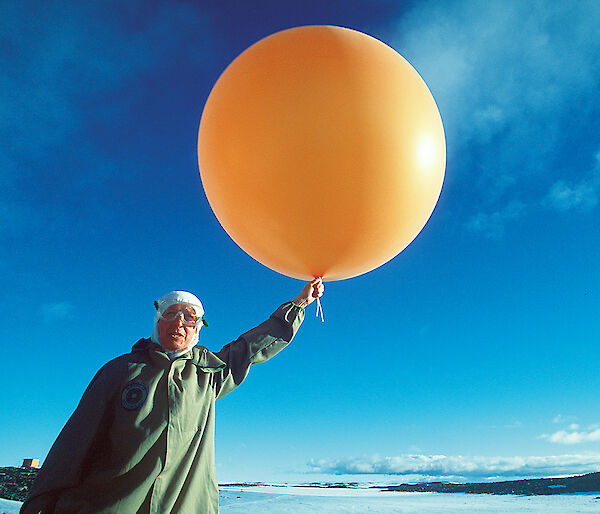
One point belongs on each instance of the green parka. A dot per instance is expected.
(142, 436)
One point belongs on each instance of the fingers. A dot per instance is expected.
(310, 292)
(317, 287)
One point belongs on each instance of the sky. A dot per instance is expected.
(471, 355)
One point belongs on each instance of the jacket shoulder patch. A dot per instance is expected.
(134, 395)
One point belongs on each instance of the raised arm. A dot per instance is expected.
(264, 341)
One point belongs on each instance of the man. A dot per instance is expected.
(142, 436)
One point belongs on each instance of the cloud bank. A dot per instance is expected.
(517, 86)
(573, 436)
(478, 467)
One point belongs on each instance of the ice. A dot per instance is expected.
(9, 506)
(305, 500)
(308, 500)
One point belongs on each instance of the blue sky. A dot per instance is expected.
(472, 354)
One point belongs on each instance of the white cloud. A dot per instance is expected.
(565, 196)
(560, 418)
(582, 195)
(513, 81)
(493, 224)
(515, 424)
(56, 311)
(460, 466)
(573, 436)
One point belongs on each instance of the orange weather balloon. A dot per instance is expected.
(321, 152)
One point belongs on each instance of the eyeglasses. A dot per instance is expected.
(186, 312)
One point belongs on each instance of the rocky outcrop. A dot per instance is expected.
(15, 482)
(537, 486)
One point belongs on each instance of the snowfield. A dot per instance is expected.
(308, 500)
(305, 500)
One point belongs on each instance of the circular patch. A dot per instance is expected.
(134, 396)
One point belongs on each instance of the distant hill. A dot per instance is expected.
(589, 483)
(15, 484)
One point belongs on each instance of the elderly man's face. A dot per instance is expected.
(175, 335)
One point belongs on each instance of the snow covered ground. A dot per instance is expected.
(300, 500)
(9, 506)
(305, 500)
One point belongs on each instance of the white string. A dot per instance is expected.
(320, 310)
